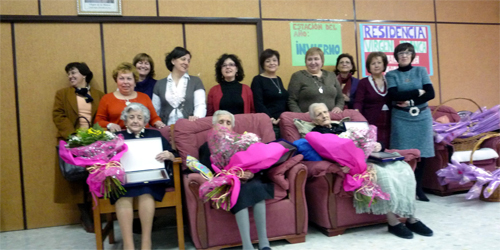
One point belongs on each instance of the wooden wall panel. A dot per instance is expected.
(400, 10)
(474, 11)
(434, 77)
(209, 8)
(123, 41)
(208, 42)
(16, 7)
(59, 7)
(470, 63)
(43, 50)
(139, 7)
(11, 205)
(307, 9)
(277, 36)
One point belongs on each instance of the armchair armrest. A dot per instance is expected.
(493, 143)
(277, 174)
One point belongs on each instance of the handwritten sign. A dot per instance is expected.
(385, 37)
(326, 36)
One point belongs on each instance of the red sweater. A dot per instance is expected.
(215, 95)
(110, 109)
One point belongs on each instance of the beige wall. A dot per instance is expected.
(466, 52)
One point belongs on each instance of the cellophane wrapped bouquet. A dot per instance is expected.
(99, 152)
(223, 145)
(231, 155)
(366, 139)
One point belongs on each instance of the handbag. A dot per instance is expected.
(72, 172)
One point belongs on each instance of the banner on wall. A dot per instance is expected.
(385, 37)
(326, 36)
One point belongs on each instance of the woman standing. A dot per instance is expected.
(344, 69)
(372, 100)
(146, 68)
(112, 104)
(180, 95)
(314, 85)
(269, 94)
(76, 101)
(410, 88)
(230, 94)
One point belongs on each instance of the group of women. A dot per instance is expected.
(396, 103)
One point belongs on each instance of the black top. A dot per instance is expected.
(231, 97)
(335, 129)
(269, 96)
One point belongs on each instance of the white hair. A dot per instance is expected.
(135, 106)
(312, 107)
(217, 113)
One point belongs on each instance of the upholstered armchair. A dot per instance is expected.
(442, 155)
(214, 228)
(329, 206)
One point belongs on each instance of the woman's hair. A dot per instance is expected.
(145, 57)
(135, 106)
(312, 107)
(268, 53)
(404, 47)
(218, 67)
(353, 70)
(374, 55)
(178, 52)
(126, 67)
(215, 117)
(315, 50)
(82, 67)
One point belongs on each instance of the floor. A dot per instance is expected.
(457, 223)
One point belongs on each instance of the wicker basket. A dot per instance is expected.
(495, 196)
(464, 144)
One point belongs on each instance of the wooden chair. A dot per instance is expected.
(172, 198)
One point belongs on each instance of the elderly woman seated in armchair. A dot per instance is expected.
(394, 178)
(254, 189)
(135, 117)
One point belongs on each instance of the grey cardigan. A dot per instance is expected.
(187, 107)
(304, 91)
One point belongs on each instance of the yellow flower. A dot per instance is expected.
(94, 132)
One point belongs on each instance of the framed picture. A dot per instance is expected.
(99, 7)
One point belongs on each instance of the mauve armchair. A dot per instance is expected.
(442, 155)
(329, 206)
(212, 228)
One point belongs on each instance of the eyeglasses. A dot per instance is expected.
(228, 65)
(345, 62)
(405, 53)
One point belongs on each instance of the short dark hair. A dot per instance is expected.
(268, 53)
(404, 47)
(178, 52)
(82, 67)
(373, 55)
(353, 70)
(218, 67)
(145, 57)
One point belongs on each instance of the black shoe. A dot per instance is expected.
(421, 195)
(419, 228)
(265, 248)
(401, 231)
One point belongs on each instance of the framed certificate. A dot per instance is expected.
(99, 7)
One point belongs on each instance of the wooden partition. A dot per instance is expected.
(11, 205)
(470, 68)
(207, 42)
(43, 50)
(49, 34)
(123, 41)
